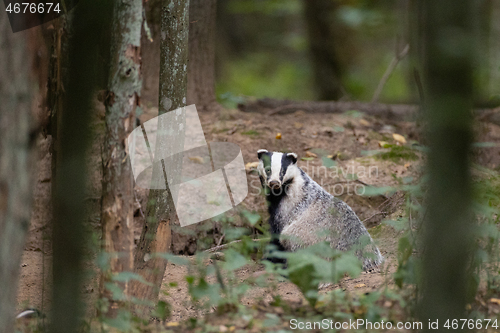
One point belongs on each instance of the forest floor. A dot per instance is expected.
(345, 138)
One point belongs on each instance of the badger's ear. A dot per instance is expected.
(293, 157)
(260, 152)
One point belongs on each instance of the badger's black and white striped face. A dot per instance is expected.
(277, 169)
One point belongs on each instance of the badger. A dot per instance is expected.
(302, 213)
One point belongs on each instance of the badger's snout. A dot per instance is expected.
(274, 184)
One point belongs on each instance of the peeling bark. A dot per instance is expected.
(122, 99)
(15, 179)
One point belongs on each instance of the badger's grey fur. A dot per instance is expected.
(302, 213)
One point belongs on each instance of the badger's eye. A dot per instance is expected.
(268, 170)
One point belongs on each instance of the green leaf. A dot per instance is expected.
(252, 218)
(116, 291)
(371, 191)
(127, 276)
(177, 260)
(398, 225)
(234, 260)
(328, 162)
(304, 278)
(162, 310)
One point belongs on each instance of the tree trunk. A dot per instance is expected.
(121, 102)
(160, 214)
(447, 64)
(324, 50)
(201, 65)
(15, 176)
(80, 78)
(150, 49)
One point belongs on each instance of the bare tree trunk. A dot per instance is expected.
(150, 49)
(201, 65)
(160, 215)
(447, 64)
(121, 102)
(15, 178)
(324, 47)
(80, 79)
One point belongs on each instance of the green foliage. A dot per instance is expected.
(398, 154)
(263, 75)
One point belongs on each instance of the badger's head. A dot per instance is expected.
(277, 170)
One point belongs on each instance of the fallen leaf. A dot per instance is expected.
(495, 300)
(384, 144)
(197, 159)
(298, 125)
(310, 154)
(251, 166)
(364, 122)
(361, 285)
(407, 165)
(399, 138)
(222, 328)
(278, 136)
(172, 324)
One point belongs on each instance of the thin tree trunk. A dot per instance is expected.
(160, 215)
(201, 66)
(15, 176)
(447, 65)
(87, 23)
(121, 102)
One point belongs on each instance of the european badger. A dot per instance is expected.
(305, 214)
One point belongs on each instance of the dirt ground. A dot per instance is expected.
(344, 137)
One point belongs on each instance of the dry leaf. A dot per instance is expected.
(278, 136)
(407, 165)
(495, 300)
(310, 154)
(172, 324)
(384, 144)
(361, 285)
(399, 138)
(197, 159)
(364, 122)
(298, 125)
(251, 166)
(222, 328)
